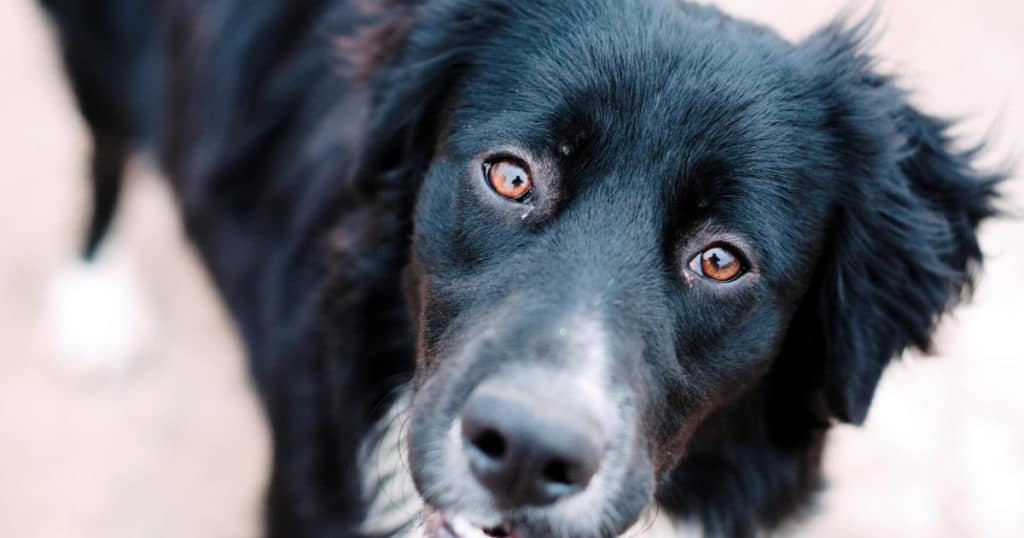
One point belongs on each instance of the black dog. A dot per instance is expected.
(559, 263)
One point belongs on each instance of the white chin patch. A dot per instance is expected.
(96, 319)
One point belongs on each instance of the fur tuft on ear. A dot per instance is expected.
(902, 248)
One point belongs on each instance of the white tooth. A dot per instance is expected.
(465, 529)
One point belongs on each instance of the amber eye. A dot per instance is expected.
(720, 263)
(509, 178)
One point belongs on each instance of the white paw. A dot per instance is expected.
(96, 315)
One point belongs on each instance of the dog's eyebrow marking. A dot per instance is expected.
(698, 182)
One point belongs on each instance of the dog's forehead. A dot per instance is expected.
(661, 80)
(667, 101)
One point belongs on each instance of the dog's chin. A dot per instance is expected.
(441, 525)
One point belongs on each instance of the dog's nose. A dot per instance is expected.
(528, 450)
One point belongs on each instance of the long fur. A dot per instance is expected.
(295, 135)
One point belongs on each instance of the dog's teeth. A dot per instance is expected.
(465, 529)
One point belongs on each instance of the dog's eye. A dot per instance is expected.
(509, 178)
(720, 263)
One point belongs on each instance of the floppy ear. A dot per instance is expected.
(410, 57)
(902, 245)
(433, 46)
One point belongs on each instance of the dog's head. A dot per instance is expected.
(630, 215)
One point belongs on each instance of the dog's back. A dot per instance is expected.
(227, 98)
(240, 105)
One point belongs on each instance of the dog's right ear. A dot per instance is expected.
(429, 48)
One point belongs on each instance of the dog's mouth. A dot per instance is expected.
(440, 525)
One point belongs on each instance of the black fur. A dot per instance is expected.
(318, 150)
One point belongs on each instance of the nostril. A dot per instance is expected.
(557, 471)
(491, 443)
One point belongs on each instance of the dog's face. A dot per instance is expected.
(612, 244)
(627, 214)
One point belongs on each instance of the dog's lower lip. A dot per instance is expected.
(498, 532)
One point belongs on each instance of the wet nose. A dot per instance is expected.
(527, 450)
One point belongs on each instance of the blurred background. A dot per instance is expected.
(156, 433)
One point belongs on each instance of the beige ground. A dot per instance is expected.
(173, 446)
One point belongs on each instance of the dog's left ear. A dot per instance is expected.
(902, 245)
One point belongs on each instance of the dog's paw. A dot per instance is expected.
(96, 317)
